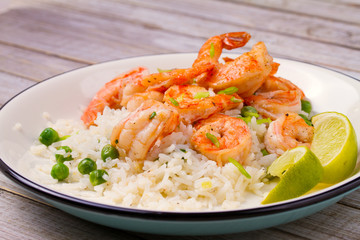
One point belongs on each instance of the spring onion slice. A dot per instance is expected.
(235, 100)
(212, 50)
(152, 115)
(173, 101)
(264, 152)
(240, 167)
(64, 137)
(245, 119)
(229, 91)
(200, 95)
(306, 106)
(263, 120)
(213, 139)
(308, 122)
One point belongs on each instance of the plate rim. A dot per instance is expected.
(158, 215)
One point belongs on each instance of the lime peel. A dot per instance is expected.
(299, 171)
(335, 144)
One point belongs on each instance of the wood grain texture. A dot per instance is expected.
(42, 38)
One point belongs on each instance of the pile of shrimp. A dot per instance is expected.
(199, 96)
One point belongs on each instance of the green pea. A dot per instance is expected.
(249, 111)
(86, 166)
(59, 171)
(97, 177)
(48, 136)
(109, 151)
(60, 157)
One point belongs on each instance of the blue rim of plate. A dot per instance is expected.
(196, 216)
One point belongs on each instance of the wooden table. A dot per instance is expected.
(41, 38)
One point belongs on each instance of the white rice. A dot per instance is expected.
(177, 181)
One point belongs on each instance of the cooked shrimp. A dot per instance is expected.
(276, 97)
(110, 95)
(232, 134)
(141, 130)
(246, 72)
(194, 102)
(287, 132)
(212, 48)
(163, 80)
(138, 98)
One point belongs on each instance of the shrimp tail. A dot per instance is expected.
(235, 39)
(109, 95)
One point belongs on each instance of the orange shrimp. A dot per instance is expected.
(211, 50)
(143, 128)
(194, 102)
(287, 132)
(276, 97)
(233, 138)
(246, 72)
(163, 80)
(138, 98)
(110, 94)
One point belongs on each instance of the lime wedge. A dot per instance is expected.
(335, 144)
(299, 171)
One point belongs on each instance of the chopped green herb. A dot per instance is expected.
(236, 100)
(246, 119)
(229, 91)
(264, 120)
(183, 150)
(152, 115)
(249, 111)
(308, 122)
(213, 139)
(306, 106)
(200, 95)
(173, 101)
(240, 167)
(64, 137)
(264, 152)
(212, 50)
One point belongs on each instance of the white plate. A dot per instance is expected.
(63, 96)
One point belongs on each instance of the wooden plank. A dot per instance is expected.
(10, 85)
(33, 65)
(21, 218)
(302, 26)
(325, 9)
(165, 34)
(352, 200)
(335, 222)
(268, 234)
(8, 185)
(77, 37)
